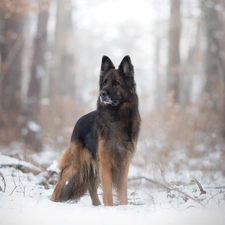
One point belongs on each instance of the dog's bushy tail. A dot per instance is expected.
(77, 173)
(77, 186)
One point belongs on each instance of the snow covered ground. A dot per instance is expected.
(26, 201)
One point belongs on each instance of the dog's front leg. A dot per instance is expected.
(122, 185)
(106, 180)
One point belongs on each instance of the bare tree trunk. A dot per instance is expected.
(192, 67)
(215, 62)
(11, 46)
(159, 89)
(38, 71)
(62, 75)
(173, 70)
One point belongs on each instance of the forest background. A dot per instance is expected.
(50, 55)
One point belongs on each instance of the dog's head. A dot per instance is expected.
(116, 85)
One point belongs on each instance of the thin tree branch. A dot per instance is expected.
(199, 186)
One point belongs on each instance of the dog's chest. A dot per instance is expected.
(118, 137)
(114, 127)
(118, 130)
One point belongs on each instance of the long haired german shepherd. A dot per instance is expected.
(103, 141)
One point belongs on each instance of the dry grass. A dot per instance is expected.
(182, 140)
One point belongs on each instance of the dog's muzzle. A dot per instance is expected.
(107, 100)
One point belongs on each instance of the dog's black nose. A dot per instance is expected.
(103, 93)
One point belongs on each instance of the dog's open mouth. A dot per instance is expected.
(108, 101)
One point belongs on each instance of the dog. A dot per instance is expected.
(103, 142)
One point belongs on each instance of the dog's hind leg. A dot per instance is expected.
(93, 183)
(93, 188)
(94, 195)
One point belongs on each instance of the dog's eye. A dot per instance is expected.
(116, 83)
(104, 82)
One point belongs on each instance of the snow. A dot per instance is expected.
(26, 201)
(53, 167)
(45, 101)
(45, 212)
(33, 126)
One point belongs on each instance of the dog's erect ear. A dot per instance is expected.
(126, 66)
(106, 64)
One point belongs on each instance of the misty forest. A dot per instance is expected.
(50, 58)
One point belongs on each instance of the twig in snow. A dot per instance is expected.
(162, 172)
(21, 185)
(212, 197)
(199, 186)
(3, 179)
(16, 186)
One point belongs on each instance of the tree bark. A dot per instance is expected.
(173, 69)
(215, 60)
(158, 94)
(38, 70)
(62, 74)
(11, 47)
(32, 135)
(214, 65)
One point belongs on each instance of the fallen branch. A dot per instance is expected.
(147, 179)
(168, 187)
(187, 195)
(25, 167)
